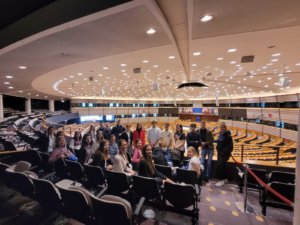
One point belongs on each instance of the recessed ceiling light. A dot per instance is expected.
(123, 64)
(155, 66)
(298, 64)
(8, 76)
(194, 64)
(259, 81)
(171, 57)
(196, 53)
(22, 67)
(37, 95)
(145, 61)
(105, 68)
(231, 50)
(269, 78)
(220, 58)
(206, 18)
(233, 62)
(79, 74)
(274, 60)
(6, 82)
(266, 86)
(20, 91)
(11, 87)
(276, 54)
(151, 31)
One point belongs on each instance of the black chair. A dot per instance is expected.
(117, 184)
(283, 177)
(109, 205)
(269, 199)
(181, 197)
(148, 188)
(48, 194)
(95, 177)
(189, 177)
(23, 184)
(61, 169)
(76, 171)
(166, 170)
(76, 204)
(3, 167)
(251, 182)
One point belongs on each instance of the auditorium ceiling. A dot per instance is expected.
(247, 49)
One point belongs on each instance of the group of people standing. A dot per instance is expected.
(122, 150)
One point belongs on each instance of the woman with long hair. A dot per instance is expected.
(86, 150)
(137, 153)
(60, 151)
(101, 157)
(122, 161)
(139, 133)
(75, 143)
(147, 168)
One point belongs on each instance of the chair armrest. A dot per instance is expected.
(47, 176)
(139, 206)
(101, 192)
(197, 190)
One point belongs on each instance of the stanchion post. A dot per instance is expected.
(245, 186)
(242, 157)
(277, 155)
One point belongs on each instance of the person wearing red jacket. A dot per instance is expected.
(139, 133)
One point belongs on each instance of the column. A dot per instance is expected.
(1, 107)
(297, 188)
(28, 105)
(51, 106)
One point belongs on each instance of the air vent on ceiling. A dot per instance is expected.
(191, 84)
(91, 78)
(137, 70)
(247, 59)
(209, 74)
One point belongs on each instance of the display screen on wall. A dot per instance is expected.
(91, 118)
(110, 118)
(91, 105)
(83, 104)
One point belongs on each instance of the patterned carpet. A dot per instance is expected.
(217, 207)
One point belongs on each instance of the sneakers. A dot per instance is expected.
(221, 183)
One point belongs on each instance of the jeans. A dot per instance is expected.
(207, 166)
(167, 155)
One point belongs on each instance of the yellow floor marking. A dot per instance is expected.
(208, 199)
(259, 218)
(212, 208)
(227, 203)
(235, 213)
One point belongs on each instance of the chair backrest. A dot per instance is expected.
(76, 205)
(186, 176)
(76, 170)
(23, 184)
(61, 169)
(94, 175)
(283, 177)
(48, 194)
(287, 190)
(109, 205)
(166, 170)
(180, 196)
(117, 182)
(21, 166)
(146, 187)
(262, 174)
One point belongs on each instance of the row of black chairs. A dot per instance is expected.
(74, 202)
(119, 184)
(282, 182)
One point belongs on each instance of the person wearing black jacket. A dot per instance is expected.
(147, 168)
(127, 135)
(224, 149)
(193, 138)
(118, 130)
(207, 149)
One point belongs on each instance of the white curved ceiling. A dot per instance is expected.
(82, 58)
